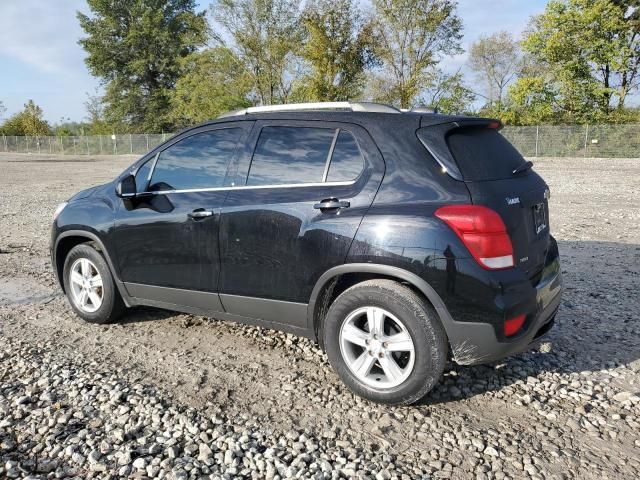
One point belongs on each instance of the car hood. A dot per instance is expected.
(86, 193)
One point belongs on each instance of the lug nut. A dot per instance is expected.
(381, 355)
(385, 344)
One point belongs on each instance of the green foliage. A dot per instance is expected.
(216, 82)
(410, 38)
(495, 59)
(27, 122)
(579, 61)
(587, 60)
(67, 128)
(96, 116)
(447, 94)
(266, 35)
(531, 102)
(337, 47)
(136, 46)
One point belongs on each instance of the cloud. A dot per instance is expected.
(42, 34)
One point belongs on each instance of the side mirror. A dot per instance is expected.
(126, 187)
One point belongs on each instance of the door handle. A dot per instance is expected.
(331, 204)
(198, 214)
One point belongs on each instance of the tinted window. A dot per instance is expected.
(142, 176)
(346, 161)
(199, 161)
(483, 154)
(290, 155)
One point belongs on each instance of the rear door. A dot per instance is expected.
(299, 195)
(486, 162)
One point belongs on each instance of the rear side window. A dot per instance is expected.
(346, 161)
(483, 154)
(290, 155)
(198, 161)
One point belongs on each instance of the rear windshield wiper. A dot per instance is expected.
(523, 168)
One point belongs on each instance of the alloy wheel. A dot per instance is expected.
(377, 347)
(86, 285)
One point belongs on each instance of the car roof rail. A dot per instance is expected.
(313, 106)
(423, 109)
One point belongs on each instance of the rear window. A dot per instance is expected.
(483, 154)
(290, 155)
(346, 162)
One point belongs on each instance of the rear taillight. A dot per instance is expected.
(513, 325)
(483, 233)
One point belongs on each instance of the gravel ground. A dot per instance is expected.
(179, 396)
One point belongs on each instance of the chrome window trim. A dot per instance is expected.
(135, 171)
(204, 131)
(254, 187)
(153, 168)
(330, 155)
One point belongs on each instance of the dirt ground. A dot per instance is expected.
(568, 410)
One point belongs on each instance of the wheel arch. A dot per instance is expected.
(323, 291)
(71, 238)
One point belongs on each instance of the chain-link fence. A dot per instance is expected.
(84, 145)
(591, 141)
(605, 141)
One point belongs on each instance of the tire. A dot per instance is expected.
(403, 316)
(110, 307)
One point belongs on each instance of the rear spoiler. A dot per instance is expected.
(433, 137)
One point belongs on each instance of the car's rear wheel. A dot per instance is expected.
(90, 287)
(385, 342)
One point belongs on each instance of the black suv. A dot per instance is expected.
(397, 240)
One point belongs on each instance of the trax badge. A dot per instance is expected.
(513, 200)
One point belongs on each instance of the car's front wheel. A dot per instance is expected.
(385, 342)
(90, 287)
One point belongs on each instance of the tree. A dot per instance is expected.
(3, 109)
(265, 35)
(135, 47)
(447, 94)
(338, 48)
(496, 60)
(589, 54)
(532, 101)
(96, 115)
(29, 121)
(215, 82)
(411, 36)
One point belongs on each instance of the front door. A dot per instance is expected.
(167, 237)
(298, 199)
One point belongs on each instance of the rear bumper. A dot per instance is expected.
(475, 343)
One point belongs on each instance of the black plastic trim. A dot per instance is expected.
(94, 238)
(276, 311)
(207, 301)
(221, 315)
(387, 270)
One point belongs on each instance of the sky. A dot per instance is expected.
(40, 58)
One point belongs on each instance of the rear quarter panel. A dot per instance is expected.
(400, 230)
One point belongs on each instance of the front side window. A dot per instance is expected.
(290, 155)
(142, 175)
(198, 161)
